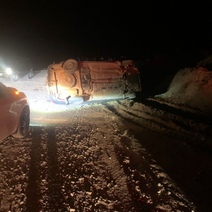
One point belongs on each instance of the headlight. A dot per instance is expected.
(8, 71)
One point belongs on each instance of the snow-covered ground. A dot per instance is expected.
(92, 157)
(191, 88)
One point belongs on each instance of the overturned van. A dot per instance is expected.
(73, 81)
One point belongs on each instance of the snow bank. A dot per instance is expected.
(191, 87)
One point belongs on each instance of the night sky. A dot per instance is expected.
(50, 32)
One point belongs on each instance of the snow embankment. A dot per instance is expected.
(191, 88)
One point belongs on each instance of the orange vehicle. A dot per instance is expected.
(72, 81)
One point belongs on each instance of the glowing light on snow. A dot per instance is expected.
(49, 107)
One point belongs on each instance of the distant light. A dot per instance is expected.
(8, 71)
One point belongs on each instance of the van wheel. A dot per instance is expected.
(70, 65)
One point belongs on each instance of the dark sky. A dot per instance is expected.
(50, 31)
